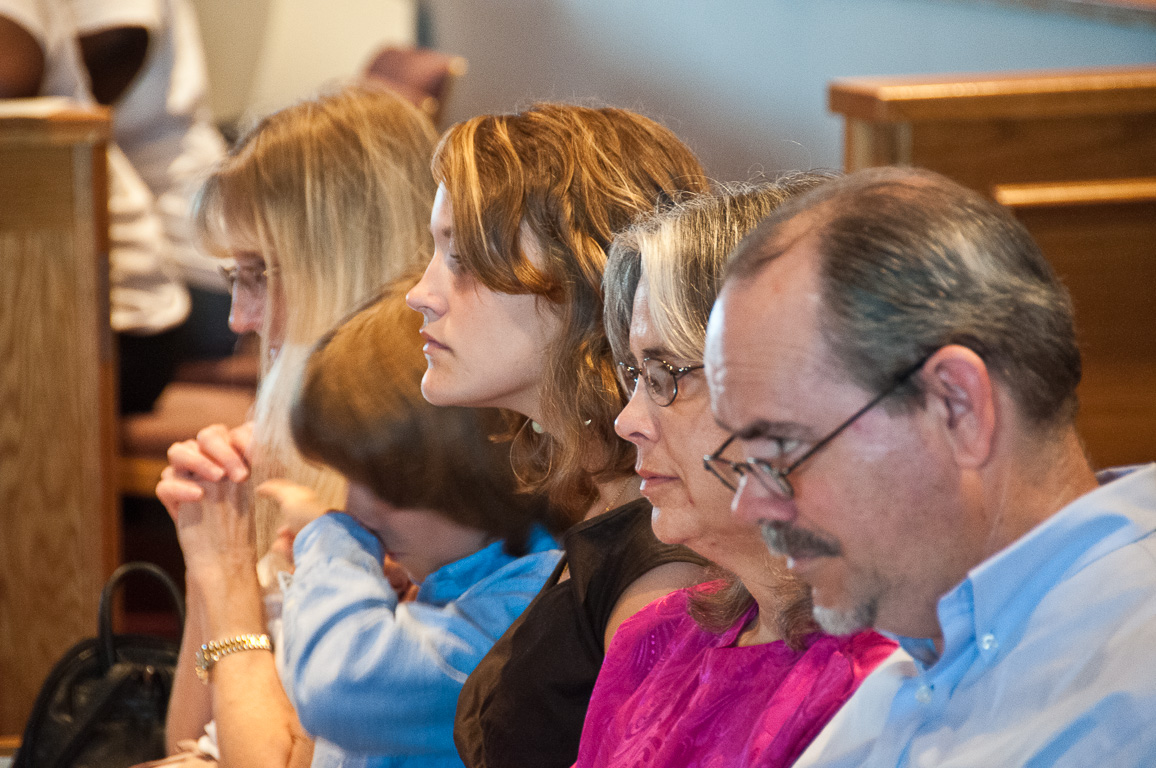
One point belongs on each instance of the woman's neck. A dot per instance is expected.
(748, 559)
(614, 493)
(764, 627)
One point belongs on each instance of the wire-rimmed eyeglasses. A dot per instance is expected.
(660, 376)
(248, 278)
(774, 480)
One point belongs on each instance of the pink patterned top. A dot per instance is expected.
(673, 694)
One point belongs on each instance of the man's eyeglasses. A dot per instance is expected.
(774, 480)
(660, 376)
(249, 279)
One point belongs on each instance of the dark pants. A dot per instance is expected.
(206, 332)
(147, 364)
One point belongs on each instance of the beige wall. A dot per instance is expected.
(263, 54)
(744, 81)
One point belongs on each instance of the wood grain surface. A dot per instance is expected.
(996, 95)
(1074, 154)
(58, 528)
(1105, 251)
(982, 153)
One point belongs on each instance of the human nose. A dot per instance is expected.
(247, 311)
(426, 296)
(753, 503)
(635, 423)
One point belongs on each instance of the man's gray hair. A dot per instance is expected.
(911, 261)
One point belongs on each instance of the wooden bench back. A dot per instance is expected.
(1073, 154)
(58, 520)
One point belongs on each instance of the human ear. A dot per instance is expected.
(960, 394)
(364, 506)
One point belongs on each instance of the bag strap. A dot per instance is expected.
(105, 696)
(107, 644)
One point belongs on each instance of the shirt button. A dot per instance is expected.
(988, 642)
(923, 694)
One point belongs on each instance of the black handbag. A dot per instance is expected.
(103, 704)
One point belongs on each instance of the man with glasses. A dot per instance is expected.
(897, 365)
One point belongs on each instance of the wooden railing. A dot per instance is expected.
(1073, 154)
(1118, 11)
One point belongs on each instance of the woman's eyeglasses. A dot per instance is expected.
(249, 279)
(660, 376)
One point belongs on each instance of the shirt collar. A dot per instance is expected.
(450, 581)
(993, 604)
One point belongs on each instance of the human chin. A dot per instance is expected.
(669, 519)
(436, 389)
(845, 599)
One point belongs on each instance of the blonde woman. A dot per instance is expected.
(512, 307)
(318, 207)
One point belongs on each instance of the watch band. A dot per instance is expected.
(212, 652)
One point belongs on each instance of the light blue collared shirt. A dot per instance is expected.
(379, 678)
(1049, 651)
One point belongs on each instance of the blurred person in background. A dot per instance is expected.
(145, 59)
(40, 55)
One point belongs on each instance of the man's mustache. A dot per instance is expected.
(783, 539)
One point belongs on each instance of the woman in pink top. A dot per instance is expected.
(734, 672)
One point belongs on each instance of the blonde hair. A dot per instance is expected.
(335, 193)
(681, 255)
(570, 177)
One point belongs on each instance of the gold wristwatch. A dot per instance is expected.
(215, 650)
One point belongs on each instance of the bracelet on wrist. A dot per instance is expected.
(215, 650)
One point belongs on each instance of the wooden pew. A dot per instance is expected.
(1101, 238)
(1005, 128)
(1073, 154)
(58, 512)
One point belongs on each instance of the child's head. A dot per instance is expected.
(359, 409)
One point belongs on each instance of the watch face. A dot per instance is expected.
(202, 666)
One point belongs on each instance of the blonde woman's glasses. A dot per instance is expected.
(251, 280)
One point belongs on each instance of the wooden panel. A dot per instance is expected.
(58, 525)
(1117, 11)
(52, 121)
(1105, 251)
(869, 144)
(981, 154)
(1077, 193)
(1000, 95)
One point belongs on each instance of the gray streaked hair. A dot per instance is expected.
(682, 250)
(911, 261)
